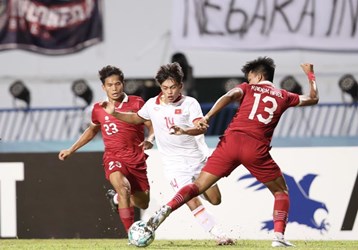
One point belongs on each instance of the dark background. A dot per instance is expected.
(64, 199)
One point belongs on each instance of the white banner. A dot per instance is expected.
(10, 173)
(321, 181)
(325, 25)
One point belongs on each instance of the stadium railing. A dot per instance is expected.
(63, 124)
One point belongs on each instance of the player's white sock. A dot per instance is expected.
(204, 218)
(115, 199)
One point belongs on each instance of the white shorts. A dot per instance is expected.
(179, 176)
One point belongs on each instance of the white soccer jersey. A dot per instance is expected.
(180, 153)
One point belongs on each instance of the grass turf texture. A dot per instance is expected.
(92, 244)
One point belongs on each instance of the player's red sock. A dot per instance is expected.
(280, 212)
(127, 216)
(184, 195)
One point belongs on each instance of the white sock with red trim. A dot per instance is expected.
(204, 218)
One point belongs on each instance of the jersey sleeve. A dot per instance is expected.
(195, 111)
(242, 86)
(140, 102)
(94, 116)
(293, 99)
(144, 110)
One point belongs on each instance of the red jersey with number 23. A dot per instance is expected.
(260, 110)
(120, 137)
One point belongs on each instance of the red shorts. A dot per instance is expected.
(135, 173)
(237, 148)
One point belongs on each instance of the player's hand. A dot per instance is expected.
(202, 124)
(146, 145)
(108, 107)
(176, 130)
(307, 68)
(64, 154)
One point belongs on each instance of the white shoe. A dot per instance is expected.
(220, 237)
(279, 241)
(159, 217)
(282, 243)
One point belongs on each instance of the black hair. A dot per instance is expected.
(108, 71)
(261, 65)
(170, 71)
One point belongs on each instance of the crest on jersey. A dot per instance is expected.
(178, 111)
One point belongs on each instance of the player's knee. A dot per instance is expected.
(124, 191)
(216, 201)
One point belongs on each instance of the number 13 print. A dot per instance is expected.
(269, 110)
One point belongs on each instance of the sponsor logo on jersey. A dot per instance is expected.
(177, 111)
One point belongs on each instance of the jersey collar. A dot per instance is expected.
(265, 82)
(157, 101)
(125, 99)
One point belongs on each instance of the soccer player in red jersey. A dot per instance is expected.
(183, 156)
(247, 140)
(124, 158)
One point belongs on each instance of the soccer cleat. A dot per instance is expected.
(279, 241)
(110, 194)
(158, 217)
(220, 237)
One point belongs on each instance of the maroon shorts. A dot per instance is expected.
(135, 173)
(237, 148)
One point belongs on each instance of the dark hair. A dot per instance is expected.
(262, 65)
(170, 71)
(108, 71)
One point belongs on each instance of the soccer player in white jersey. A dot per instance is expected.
(183, 156)
(247, 140)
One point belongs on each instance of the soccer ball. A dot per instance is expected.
(140, 235)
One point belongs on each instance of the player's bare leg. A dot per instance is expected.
(123, 189)
(213, 196)
(139, 199)
(207, 221)
(184, 195)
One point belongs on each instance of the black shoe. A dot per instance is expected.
(110, 194)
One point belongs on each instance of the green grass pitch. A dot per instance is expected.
(108, 244)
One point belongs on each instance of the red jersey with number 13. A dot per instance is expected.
(260, 110)
(121, 137)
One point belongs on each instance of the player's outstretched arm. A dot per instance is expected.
(149, 141)
(232, 95)
(86, 136)
(312, 97)
(176, 130)
(128, 117)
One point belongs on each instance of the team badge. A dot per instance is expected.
(177, 111)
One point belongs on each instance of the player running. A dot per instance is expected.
(247, 140)
(124, 158)
(183, 156)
